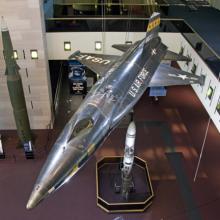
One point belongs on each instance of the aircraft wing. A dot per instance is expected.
(121, 47)
(170, 55)
(163, 76)
(169, 76)
(124, 47)
(98, 63)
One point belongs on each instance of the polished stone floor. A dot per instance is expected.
(169, 137)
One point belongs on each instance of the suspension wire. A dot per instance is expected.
(129, 21)
(121, 6)
(103, 26)
(203, 144)
(202, 149)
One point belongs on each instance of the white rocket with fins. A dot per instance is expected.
(129, 150)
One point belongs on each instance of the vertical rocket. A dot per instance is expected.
(128, 160)
(15, 87)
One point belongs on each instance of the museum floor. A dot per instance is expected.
(169, 137)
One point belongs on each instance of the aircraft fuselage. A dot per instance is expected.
(110, 99)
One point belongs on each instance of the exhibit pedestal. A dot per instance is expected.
(2, 156)
(29, 155)
(28, 150)
(107, 173)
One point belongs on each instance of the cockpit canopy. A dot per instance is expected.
(82, 126)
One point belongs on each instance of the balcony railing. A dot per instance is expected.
(123, 24)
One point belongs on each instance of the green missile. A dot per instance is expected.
(15, 87)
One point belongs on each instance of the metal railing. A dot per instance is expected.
(119, 24)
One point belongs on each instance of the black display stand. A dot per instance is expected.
(29, 155)
(2, 155)
(28, 150)
(108, 172)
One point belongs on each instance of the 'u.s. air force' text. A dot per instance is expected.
(138, 82)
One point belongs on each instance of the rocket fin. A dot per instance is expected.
(17, 67)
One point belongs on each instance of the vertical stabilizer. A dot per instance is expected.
(154, 24)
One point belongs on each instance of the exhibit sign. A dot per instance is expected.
(79, 87)
(157, 91)
(77, 78)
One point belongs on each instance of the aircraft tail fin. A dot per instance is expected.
(153, 24)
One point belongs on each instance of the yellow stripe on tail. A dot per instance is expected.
(154, 22)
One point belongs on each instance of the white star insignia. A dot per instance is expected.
(183, 77)
(153, 52)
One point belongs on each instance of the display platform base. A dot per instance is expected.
(29, 155)
(2, 156)
(107, 170)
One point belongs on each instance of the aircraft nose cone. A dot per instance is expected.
(34, 199)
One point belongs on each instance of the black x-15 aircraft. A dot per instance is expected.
(123, 81)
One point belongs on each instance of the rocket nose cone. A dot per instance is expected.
(3, 24)
(131, 128)
(34, 199)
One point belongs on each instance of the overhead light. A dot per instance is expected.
(98, 45)
(218, 107)
(34, 54)
(210, 92)
(67, 45)
(15, 54)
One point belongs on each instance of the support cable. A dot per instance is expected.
(103, 26)
(202, 150)
(129, 21)
(203, 144)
